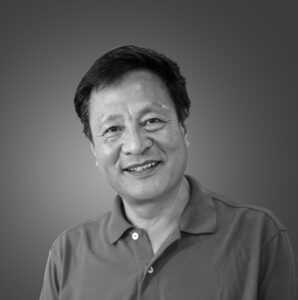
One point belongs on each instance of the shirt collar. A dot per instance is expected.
(118, 224)
(198, 217)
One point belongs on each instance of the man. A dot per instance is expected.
(166, 237)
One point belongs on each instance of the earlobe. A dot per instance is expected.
(94, 153)
(187, 143)
(92, 149)
(184, 129)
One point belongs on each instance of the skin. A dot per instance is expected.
(134, 124)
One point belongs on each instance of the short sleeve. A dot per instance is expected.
(50, 288)
(277, 269)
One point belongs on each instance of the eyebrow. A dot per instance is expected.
(157, 107)
(109, 118)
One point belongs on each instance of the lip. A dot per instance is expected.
(142, 173)
(135, 165)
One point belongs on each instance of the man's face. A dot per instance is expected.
(138, 142)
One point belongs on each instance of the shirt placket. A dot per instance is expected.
(149, 268)
(143, 254)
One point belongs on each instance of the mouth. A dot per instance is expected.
(142, 168)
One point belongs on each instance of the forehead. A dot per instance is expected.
(137, 90)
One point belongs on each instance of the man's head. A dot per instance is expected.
(133, 104)
(112, 66)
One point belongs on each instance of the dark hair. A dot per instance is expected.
(113, 65)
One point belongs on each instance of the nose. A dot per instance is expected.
(135, 141)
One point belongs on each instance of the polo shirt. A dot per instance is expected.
(220, 250)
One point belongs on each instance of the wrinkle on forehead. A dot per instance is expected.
(165, 107)
(138, 81)
(142, 83)
(153, 107)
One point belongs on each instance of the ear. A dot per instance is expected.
(184, 129)
(187, 143)
(93, 149)
(94, 153)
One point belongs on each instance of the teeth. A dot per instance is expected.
(143, 168)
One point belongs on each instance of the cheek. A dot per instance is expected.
(107, 155)
(172, 140)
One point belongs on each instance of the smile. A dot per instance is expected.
(143, 167)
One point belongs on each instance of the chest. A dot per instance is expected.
(189, 268)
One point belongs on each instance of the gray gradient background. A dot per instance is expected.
(240, 61)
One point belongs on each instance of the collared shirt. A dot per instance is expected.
(221, 250)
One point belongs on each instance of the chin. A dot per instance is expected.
(145, 192)
(146, 188)
(140, 194)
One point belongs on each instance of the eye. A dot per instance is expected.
(153, 124)
(113, 129)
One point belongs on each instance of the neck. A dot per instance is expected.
(159, 217)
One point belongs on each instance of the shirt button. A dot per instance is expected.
(135, 236)
(150, 270)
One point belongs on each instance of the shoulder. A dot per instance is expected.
(243, 210)
(245, 222)
(231, 214)
(87, 232)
